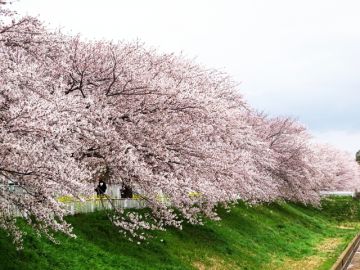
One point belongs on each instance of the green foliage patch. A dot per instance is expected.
(249, 237)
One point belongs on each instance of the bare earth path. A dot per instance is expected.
(355, 262)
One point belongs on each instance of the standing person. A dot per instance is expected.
(101, 188)
(126, 191)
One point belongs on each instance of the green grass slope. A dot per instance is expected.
(275, 236)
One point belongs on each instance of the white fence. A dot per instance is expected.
(94, 205)
(111, 200)
(338, 193)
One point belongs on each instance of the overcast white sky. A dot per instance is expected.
(298, 58)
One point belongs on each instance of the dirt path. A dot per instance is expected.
(355, 262)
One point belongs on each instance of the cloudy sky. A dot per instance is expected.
(296, 58)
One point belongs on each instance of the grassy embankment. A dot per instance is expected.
(275, 236)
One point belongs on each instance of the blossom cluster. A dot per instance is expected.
(74, 111)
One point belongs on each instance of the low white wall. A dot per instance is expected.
(94, 205)
(337, 193)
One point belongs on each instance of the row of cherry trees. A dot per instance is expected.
(72, 111)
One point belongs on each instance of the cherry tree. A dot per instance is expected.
(178, 128)
(72, 110)
(36, 141)
(340, 171)
(289, 142)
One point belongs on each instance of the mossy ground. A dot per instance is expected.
(275, 236)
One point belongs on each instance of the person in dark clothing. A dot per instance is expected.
(126, 191)
(101, 188)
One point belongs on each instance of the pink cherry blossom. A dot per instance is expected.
(74, 111)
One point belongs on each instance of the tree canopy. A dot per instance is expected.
(71, 110)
